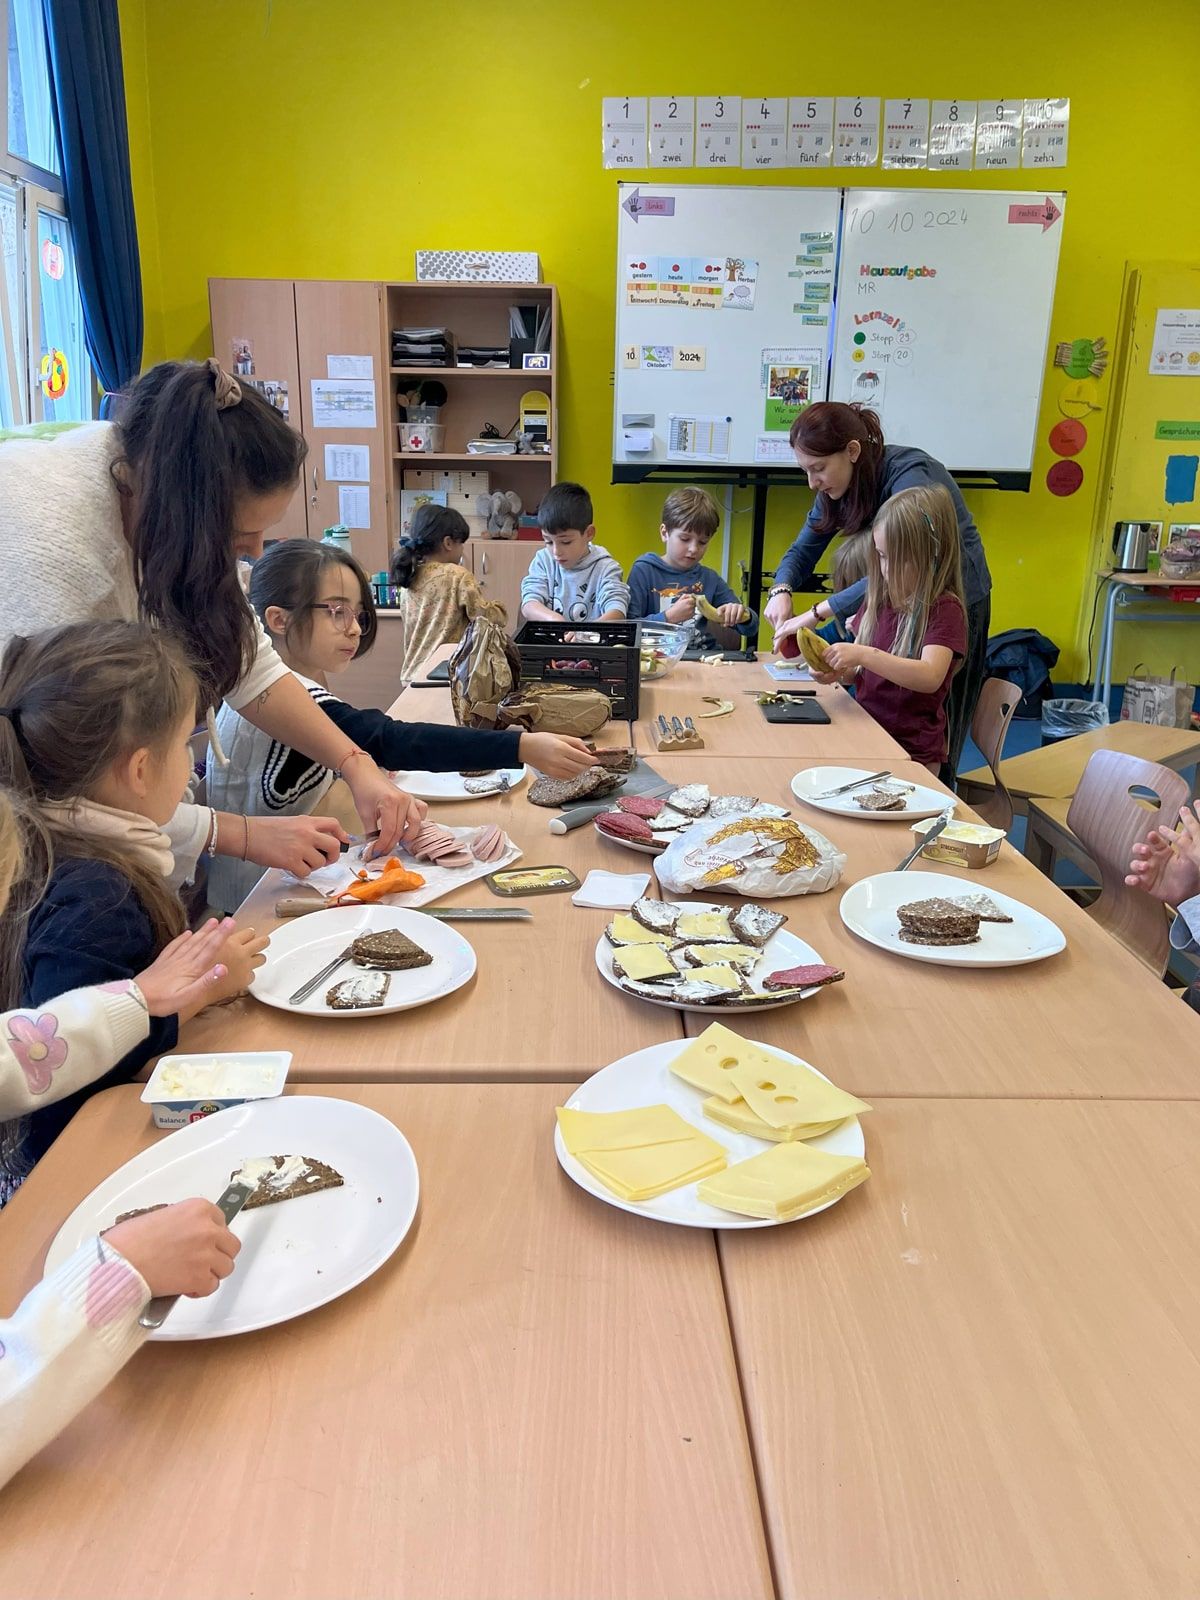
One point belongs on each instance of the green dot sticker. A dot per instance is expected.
(860, 338)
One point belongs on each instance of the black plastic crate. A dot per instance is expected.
(596, 655)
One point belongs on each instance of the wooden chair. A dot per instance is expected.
(998, 700)
(1108, 818)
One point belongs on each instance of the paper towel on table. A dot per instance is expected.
(611, 891)
(439, 880)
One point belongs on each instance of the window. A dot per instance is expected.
(45, 373)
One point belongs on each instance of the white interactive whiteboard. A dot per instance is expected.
(724, 314)
(943, 313)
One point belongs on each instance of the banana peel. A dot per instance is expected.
(724, 707)
(813, 648)
(709, 611)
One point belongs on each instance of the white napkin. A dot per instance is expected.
(611, 891)
(439, 880)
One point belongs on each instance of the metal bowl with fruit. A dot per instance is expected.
(662, 648)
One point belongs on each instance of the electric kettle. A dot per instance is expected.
(1131, 546)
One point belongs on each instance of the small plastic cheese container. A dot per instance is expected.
(961, 844)
(182, 1089)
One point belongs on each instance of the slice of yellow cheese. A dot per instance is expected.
(787, 1093)
(702, 925)
(723, 977)
(642, 961)
(707, 1062)
(742, 1119)
(641, 1153)
(783, 1182)
(732, 955)
(628, 930)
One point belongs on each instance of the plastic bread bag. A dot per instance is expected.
(757, 855)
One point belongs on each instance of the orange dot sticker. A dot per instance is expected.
(1068, 438)
(54, 375)
(1064, 477)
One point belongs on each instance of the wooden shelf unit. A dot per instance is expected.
(475, 313)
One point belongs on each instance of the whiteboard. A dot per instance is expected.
(724, 313)
(943, 313)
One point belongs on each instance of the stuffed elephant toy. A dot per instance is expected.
(500, 512)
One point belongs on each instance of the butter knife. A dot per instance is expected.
(228, 1204)
(867, 777)
(927, 838)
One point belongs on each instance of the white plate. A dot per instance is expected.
(296, 1255)
(644, 1079)
(920, 802)
(631, 844)
(298, 950)
(451, 786)
(869, 909)
(782, 950)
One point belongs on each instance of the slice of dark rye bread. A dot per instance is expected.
(390, 951)
(658, 915)
(938, 920)
(593, 784)
(621, 760)
(880, 800)
(317, 1175)
(362, 992)
(756, 924)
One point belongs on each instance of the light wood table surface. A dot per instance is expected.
(1091, 1021)
(1055, 770)
(975, 1378)
(746, 732)
(536, 1008)
(535, 1397)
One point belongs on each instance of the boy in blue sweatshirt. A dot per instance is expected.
(665, 588)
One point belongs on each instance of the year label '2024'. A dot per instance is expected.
(864, 218)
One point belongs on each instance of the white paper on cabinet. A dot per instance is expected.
(350, 366)
(343, 403)
(349, 462)
(354, 506)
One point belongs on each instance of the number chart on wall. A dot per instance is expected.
(724, 315)
(943, 314)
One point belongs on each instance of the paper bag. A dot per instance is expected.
(757, 855)
(1165, 702)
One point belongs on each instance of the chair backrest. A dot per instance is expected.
(998, 700)
(1108, 819)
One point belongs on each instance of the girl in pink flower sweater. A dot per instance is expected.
(75, 1330)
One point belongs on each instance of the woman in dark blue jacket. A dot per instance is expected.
(841, 449)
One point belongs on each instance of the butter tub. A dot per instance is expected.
(182, 1089)
(961, 844)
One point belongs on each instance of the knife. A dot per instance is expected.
(298, 905)
(867, 777)
(356, 839)
(578, 815)
(927, 838)
(229, 1204)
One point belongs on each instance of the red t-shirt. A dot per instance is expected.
(917, 721)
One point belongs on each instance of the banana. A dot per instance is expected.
(813, 648)
(709, 611)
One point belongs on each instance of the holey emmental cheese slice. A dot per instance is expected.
(707, 1062)
(787, 1093)
(784, 1182)
(641, 1153)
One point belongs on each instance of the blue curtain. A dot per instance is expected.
(89, 97)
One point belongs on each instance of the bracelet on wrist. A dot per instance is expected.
(339, 770)
(210, 848)
(780, 588)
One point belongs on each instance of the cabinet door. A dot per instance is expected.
(500, 564)
(261, 313)
(332, 320)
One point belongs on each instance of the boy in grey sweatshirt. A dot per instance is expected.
(572, 579)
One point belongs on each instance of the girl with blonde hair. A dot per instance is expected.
(910, 638)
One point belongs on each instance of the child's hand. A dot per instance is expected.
(243, 952)
(681, 610)
(846, 658)
(824, 677)
(184, 974)
(732, 614)
(181, 1249)
(555, 754)
(1167, 865)
(298, 845)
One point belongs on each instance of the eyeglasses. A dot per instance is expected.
(342, 617)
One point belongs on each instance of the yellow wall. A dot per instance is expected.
(332, 138)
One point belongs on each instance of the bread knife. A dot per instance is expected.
(228, 1204)
(298, 906)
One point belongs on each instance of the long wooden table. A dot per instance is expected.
(535, 1397)
(1055, 770)
(1091, 1021)
(976, 1377)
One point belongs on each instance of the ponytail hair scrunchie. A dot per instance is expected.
(226, 390)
